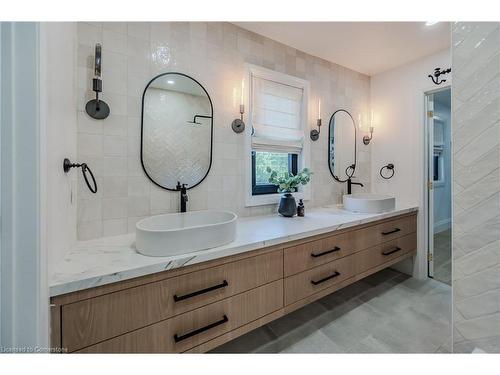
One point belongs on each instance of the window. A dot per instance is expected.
(278, 161)
(277, 129)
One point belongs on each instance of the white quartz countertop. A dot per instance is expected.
(110, 259)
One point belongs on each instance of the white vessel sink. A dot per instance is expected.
(369, 203)
(180, 233)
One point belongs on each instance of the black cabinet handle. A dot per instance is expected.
(177, 338)
(392, 251)
(336, 248)
(391, 231)
(335, 274)
(198, 292)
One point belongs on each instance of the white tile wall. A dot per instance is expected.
(214, 54)
(476, 186)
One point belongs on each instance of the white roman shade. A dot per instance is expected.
(276, 116)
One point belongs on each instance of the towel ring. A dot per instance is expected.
(67, 165)
(389, 167)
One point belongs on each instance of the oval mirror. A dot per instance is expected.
(176, 131)
(342, 145)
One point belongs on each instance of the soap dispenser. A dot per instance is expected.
(300, 209)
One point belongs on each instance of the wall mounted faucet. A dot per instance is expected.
(350, 183)
(184, 197)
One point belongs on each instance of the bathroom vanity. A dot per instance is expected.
(202, 300)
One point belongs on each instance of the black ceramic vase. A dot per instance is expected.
(288, 207)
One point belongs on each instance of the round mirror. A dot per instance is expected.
(342, 145)
(177, 131)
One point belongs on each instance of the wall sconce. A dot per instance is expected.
(314, 134)
(366, 138)
(238, 124)
(97, 108)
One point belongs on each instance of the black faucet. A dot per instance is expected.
(350, 183)
(184, 198)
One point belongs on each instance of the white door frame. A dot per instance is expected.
(428, 185)
(23, 273)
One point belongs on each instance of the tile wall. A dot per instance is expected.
(214, 54)
(476, 186)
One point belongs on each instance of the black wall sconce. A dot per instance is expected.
(238, 125)
(437, 73)
(97, 108)
(367, 138)
(314, 134)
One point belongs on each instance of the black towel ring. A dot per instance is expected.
(67, 165)
(389, 167)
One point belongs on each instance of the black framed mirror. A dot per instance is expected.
(342, 145)
(176, 131)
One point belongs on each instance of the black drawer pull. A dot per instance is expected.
(335, 274)
(336, 248)
(200, 330)
(392, 251)
(391, 231)
(198, 292)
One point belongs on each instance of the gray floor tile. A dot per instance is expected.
(387, 313)
(249, 342)
(411, 331)
(370, 345)
(316, 342)
(297, 319)
(347, 330)
(488, 345)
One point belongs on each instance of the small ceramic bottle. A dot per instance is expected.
(300, 208)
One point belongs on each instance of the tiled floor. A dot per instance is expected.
(388, 312)
(442, 256)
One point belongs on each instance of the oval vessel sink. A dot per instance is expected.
(369, 203)
(180, 233)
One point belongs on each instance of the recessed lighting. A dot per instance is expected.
(431, 23)
(170, 82)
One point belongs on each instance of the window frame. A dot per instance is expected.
(271, 188)
(303, 158)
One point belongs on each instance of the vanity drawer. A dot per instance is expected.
(312, 254)
(312, 281)
(315, 253)
(89, 321)
(396, 228)
(196, 327)
(380, 254)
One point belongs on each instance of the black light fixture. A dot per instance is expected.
(367, 138)
(314, 134)
(238, 125)
(97, 108)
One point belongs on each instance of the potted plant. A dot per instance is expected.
(287, 184)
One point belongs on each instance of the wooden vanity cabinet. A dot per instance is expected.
(197, 308)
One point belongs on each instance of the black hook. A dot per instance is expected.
(438, 72)
(67, 165)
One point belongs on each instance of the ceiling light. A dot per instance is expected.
(431, 23)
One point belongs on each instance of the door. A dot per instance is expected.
(430, 181)
(438, 187)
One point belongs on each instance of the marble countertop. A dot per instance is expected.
(110, 259)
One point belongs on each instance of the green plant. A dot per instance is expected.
(287, 183)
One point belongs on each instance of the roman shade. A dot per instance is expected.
(276, 111)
